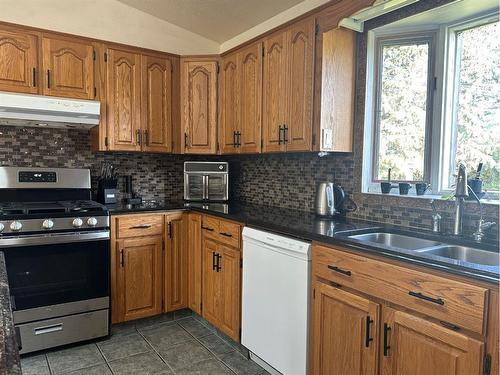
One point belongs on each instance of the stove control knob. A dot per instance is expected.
(16, 226)
(91, 221)
(2, 227)
(77, 223)
(47, 224)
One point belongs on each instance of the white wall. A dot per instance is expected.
(108, 20)
(279, 19)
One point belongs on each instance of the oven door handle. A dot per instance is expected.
(49, 239)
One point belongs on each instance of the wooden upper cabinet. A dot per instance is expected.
(139, 277)
(299, 122)
(123, 82)
(414, 346)
(230, 104)
(274, 91)
(175, 263)
(344, 334)
(68, 68)
(251, 98)
(156, 106)
(337, 90)
(199, 105)
(18, 61)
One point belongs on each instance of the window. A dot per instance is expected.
(403, 97)
(433, 100)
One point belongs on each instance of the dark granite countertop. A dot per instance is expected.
(335, 231)
(9, 353)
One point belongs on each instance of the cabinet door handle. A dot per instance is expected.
(339, 270)
(186, 139)
(34, 77)
(226, 234)
(238, 134)
(437, 301)
(139, 136)
(146, 137)
(285, 134)
(207, 228)
(219, 257)
(122, 258)
(368, 339)
(234, 139)
(48, 78)
(279, 135)
(169, 229)
(214, 267)
(386, 339)
(142, 226)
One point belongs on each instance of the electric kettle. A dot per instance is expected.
(330, 200)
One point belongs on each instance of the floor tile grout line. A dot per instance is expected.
(154, 349)
(105, 360)
(214, 354)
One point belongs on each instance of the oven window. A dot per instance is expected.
(217, 187)
(194, 186)
(52, 274)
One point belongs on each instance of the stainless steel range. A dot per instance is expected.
(56, 245)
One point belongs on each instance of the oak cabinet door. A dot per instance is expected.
(123, 81)
(230, 272)
(415, 346)
(68, 68)
(251, 98)
(194, 261)
(275, 91)
(199, 103)
(156, 104)
(300, 84)
(212, 283)
(175, 274)
(230, 104)
(345, 333)
(139, 277)
(18, 61)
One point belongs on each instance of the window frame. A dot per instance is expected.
(440, 131)
(428, 38)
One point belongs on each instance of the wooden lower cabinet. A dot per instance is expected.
(345, 333)
(221, 284)
(415, 346)
(354, 331)
(193, 238)
(139, 277)
(175, 266)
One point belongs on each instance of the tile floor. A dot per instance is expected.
(175, 343)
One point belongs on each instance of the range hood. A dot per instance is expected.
(48, 111)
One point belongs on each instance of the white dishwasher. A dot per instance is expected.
(275, 306)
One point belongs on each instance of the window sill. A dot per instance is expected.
(493, 202)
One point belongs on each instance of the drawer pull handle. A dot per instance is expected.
(451, 326)
(339, 270)
(226, 234)
(208, 228)
(387, 329)
(48, 329)
(214, 265)
(437, 301)
(143, 226)
(368, 339)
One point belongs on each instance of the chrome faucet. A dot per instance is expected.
(461, 192)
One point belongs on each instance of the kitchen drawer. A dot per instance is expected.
(139, 225)
(435, 296)
(222, 231)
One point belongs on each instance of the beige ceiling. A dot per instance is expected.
(219, 20)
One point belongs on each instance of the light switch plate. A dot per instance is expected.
(327, 139)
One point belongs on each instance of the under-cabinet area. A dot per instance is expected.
(287, 187)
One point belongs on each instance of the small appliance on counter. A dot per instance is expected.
(331, 200)
(206, 181)
(476, 184)
(106, 186)
(131, 197)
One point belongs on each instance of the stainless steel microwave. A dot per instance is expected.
(206, 181)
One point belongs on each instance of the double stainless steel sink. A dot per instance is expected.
(425, 246)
